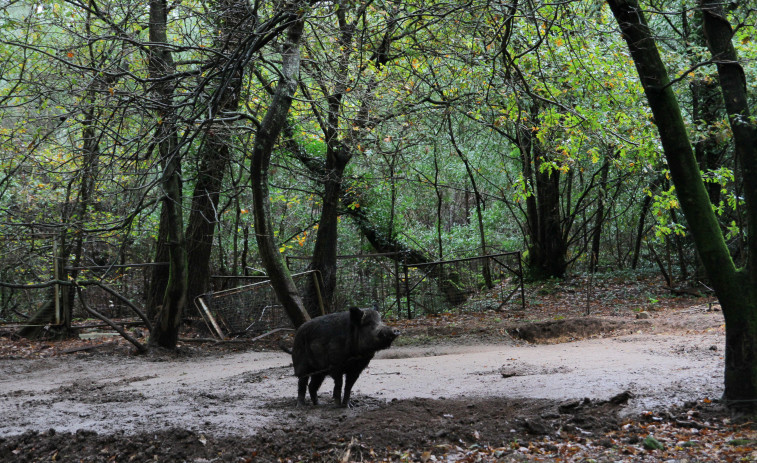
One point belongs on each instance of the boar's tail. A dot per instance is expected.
(285, 349)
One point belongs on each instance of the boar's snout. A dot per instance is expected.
(387, 335)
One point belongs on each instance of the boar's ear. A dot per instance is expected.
(356, 316)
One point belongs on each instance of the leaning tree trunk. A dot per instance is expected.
(265, 139)
(378, 235)
(736, 288)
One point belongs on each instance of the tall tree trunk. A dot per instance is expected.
(265, 139)
(337, 157)
(158, 273)
(736, 288)
(439, 206)
(547, 253)
(76, 210)
(645, 206)
(741, 316)
(204, 216)
(214, 153)
(326, 245)
(546, 248)
(165, 332)
(88, 174)
(338, 147)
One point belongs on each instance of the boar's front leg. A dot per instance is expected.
(350, 379)
(351, 374)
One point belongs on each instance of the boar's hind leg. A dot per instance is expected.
(315, 383)
(337, 388)
(302, 384)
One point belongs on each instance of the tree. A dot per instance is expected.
(235, 25)
(165, 332)
(345, 81)
(265, 139)
(736, 288)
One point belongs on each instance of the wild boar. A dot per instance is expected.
(337, 344)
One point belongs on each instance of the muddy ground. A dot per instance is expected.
(450, 385)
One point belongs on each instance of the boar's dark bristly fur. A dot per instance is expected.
(336, 345)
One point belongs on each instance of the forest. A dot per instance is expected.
(155, 152)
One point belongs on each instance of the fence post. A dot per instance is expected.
(522, 291)
(407, 286)
(397, 292)
(56, 276)
(317, 284)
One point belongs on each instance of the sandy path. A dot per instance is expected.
(239, 393)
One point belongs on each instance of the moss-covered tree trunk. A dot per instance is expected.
(736, 288)
(265, 139)
(741, 316)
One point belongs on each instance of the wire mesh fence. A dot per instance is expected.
(247, 310)
(386, 281)
(400, 289)
(28, 271)
(27, 258)
(129, 281)
(363, 280)
(463, 285)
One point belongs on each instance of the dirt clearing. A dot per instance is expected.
(451, 388)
